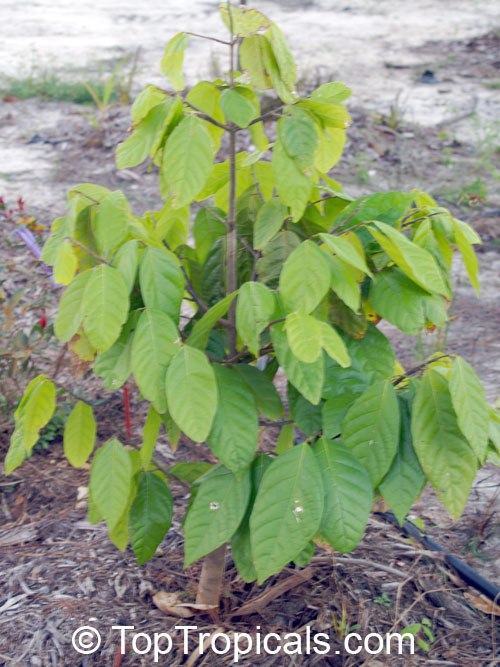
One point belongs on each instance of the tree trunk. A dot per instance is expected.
(212, 577)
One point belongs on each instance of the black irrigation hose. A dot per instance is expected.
(469, 575)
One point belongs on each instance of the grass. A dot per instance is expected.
(50, 86)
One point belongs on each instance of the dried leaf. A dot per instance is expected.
(169, 604)
(483, 603)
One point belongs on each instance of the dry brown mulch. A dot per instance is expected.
(59, 572)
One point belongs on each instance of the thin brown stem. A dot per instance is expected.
(205, 116)
(87, 250)
(211, 39)
(414, 371)
(269, 114)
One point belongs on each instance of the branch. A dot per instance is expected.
(87, 250)
(211, 39)
(205, 116)
(268, 114)
(417, 369)
(424, 217)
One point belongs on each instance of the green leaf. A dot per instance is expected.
(32, 385)
(216, 512)
(306, 415)
(150, 436)
(114, 365)
(403, 303)
(162, 282)
(254, 310)
(405, 480)
(33, 412)
(66, 263)
(152, 349)
(274, 255)
(268, 222)
(187, 160)
(192, 393)
(334, 411)
(59, 231)
(282, 54)
(238, 107)
(416, 262)
(346, 251)
(333, 92)
(203, 327)
(287, 511)
(344, 283)
(371, 429)
(235, 429)
(387, 207)
(470, 405)
(448, 462)
(330, 147)
(189, 472)
(173, 59)
(111, 220)
(111, 480)
(286, 438)
(105, 306)
(242, 21)
(37, 411)
(136, 148)
(241, 547)
(348, 495)
(207, 228)
(79, 434)
(16, 452)
(305, 277)
(147, 99)
(292, 185)
(333, 345)
(70, 312)
(150, 515)
(254, 53)
(468, 255)
(264, 392)
(304, 335)
(306, 378)
(126, 261)
(299, 137)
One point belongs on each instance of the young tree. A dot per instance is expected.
(280, 269)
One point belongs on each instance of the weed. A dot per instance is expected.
(384, 600)
(419, 631)
(53, 432)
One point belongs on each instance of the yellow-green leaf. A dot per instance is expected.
(79, 434)
(173, 59)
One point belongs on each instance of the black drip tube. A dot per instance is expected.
(470, 576)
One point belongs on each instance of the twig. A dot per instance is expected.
(205, 116)
(87, 250)
(211, 39)
(424, 217)
(417, 369)
(268, 114)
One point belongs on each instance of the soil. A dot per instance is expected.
(423, 116)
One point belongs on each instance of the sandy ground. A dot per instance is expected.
(367, 43)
